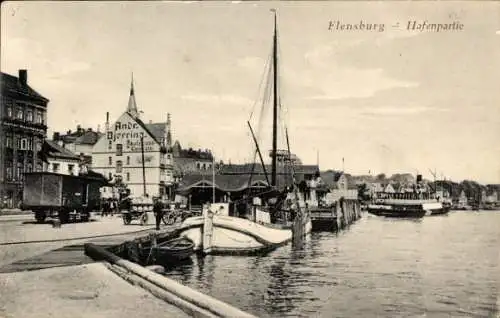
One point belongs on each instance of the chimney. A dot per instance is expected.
(23, 77)
(106, 125)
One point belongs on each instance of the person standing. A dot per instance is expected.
(158, 212)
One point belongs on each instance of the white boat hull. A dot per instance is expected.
(234, 235)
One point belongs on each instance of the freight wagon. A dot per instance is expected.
(49, 194)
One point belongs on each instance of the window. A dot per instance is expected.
(19, 113)
(119, 166)
(29, 115)
(24, 144)
(128, 176)
(38, 145)
(29, 168)
(110, 161)
(19, 173)
(55, 167)
(71, 169)
(128, 160)
(38, 117)
(9, 112)
(110, 176)
(8, 172)
(110, 144)
(8, 141)
(119, 149)
(30, 143)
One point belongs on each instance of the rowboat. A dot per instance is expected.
(169, 252)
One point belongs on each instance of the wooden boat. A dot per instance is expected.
(216, 232)
(169, 252)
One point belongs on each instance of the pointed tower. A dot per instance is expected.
(132, 105)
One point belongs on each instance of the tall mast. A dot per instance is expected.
(275, 100)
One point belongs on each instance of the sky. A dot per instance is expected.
(392, 101)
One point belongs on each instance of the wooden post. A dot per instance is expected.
(208, 228)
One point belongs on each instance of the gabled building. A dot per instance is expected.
(136, 153)
(23, 128)
(80, 142)
(389, 188)
(58, 159)
(189, 161)
(336, 180)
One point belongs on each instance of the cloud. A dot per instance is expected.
(22, 51)
(399, 110)
(218, 99)
(343, 83)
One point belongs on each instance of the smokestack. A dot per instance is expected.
(106, 125)
(23, 77)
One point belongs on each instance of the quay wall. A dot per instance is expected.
(187, 299)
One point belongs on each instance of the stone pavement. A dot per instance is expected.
(89, 290)
(72, 234)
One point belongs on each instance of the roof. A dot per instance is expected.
(157, 130)
(11, 83)
(226, 183)
(331, 177)
(247, 168)
(88, 138)
(145, 127)
(52, 149)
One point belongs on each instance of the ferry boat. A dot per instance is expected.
(269, 225)
(415, 204)
(406, 205)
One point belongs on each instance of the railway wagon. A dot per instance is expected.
(49, 194)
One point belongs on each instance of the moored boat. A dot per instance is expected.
(169, 252)
(415, 202)
(266, 226)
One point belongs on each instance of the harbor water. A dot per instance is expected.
(441, 266)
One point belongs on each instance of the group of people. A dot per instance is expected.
(108, 207)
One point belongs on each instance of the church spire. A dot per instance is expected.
(132, 105)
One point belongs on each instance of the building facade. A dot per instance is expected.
(188, 161)
(80, 142)
(137, 154)
(23, 128)
(58, 159)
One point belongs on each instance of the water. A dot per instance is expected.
(442, 266)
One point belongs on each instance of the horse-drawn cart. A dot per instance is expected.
(136, 209)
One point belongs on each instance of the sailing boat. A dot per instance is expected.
(215, 232)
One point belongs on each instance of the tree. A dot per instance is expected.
(363, 192)
(380, 177)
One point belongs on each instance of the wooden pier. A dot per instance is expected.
(340, 214)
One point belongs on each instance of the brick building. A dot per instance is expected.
(23, 128)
